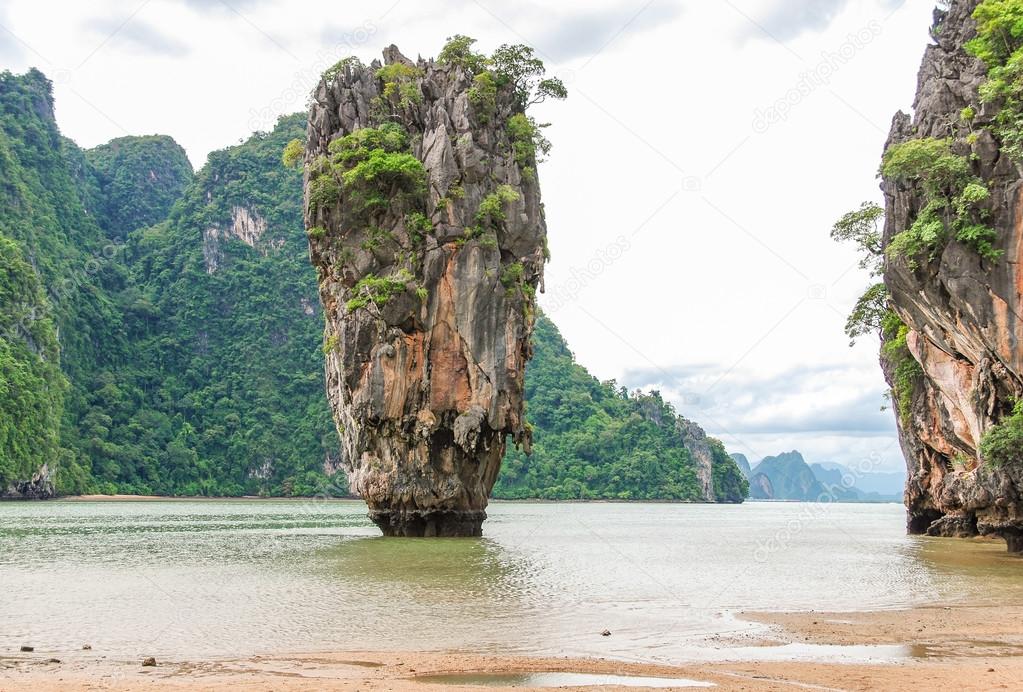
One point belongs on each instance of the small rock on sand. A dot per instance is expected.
(27, 649)
(149, 662)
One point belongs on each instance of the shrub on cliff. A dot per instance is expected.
(372, 166)
(399, 84)
(999, 43)
(1002, 444)
(458, 51)
(515, 67)
(293, 153)
(954, 200)
(377, 290)
(906, 370)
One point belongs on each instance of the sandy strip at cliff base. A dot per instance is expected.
(961, 648)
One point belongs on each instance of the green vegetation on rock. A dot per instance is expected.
(594, 440)
(999, 43)
(400, 85)
(47, 186)
(1002, 444)
(293, 153)
(906, 371)
(862, 228)
(954, 200)
(371, 166)
(509, 66)
(377, 290)
(491, 211)
(31, 383)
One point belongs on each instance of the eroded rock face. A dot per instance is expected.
(695, 440)
(246, 226)
(962, 311)
(38, 487)
(427, 383)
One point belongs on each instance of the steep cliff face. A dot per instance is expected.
(960, 305)
(428, 235)
(31, 384)
(743, 463)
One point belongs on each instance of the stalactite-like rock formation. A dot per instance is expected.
(427, 232)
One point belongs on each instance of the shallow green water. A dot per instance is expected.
(234, 578)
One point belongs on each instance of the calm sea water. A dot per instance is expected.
(236, 578)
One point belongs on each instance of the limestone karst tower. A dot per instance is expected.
(427, 233)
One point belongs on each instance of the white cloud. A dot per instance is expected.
(584, 32)
(11, 51)
(135, 35)
(783, 20)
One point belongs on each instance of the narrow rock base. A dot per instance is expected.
(425, 523)
(1014, 542)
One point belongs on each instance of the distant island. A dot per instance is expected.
(787, 476)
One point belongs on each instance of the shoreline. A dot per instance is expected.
(318, 498)
(192, 498)
(963, 647)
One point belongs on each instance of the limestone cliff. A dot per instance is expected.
(428, 236)
(698, 444)
(960, 306)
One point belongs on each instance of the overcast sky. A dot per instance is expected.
(698, 164)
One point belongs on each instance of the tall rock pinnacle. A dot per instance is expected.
(953, 343)
(427, 233)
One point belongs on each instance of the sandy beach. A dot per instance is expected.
(946, 647)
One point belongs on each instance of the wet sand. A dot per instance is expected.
(953, 647)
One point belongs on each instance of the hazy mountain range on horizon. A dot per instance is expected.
(787, 476)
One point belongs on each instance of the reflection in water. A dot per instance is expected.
(234, 578)
(465, 566)
(961, 565)
(427, 594)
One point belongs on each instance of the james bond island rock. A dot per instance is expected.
(951, 329)
(427, 233)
